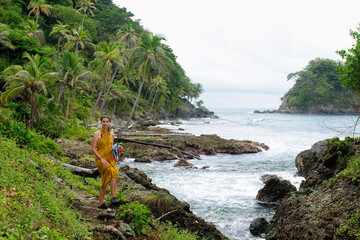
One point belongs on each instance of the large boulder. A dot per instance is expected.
(306, 160)
(274, 191)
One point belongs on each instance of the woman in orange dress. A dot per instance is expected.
(102, 148)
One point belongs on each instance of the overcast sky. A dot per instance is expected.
(242, 51)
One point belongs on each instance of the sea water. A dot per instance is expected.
(224, 193)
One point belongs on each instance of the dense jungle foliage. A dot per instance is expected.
(65, 59)
(319, 84)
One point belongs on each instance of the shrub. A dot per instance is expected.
(51, 126)
(136, 213)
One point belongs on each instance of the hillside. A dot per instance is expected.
(81, 59)
(317, 90)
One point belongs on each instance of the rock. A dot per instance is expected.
(126, 230)
(259, 226)
(183, 163)
(324, 202)
(265, 178)
(306, 160)
(162, 114)
(274, 191)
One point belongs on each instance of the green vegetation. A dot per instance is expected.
(351, 229)
(84, 59)
(32, 205)
(318, 85)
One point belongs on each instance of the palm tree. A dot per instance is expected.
(107, 60)
(28, 80)
(31, 29)
(62, 30)
(38, 6)
(149, 56)
(85, 6)
(4, 32)
(78, 37)
(73, 73)
(128, 35)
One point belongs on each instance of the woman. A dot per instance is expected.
(102, 148)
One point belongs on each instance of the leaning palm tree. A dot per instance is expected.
(79, 37)
(62, 30)
(28, 80)
(149, 56)
(4, 32)
(73, 73)
(38, 6)
(85, 6)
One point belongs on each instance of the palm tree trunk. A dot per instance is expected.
(108, 90)
(68, 105)
(61, 92)
(82, 23)
(58, 48)
(153, 100)
(96, 103)
(135, 103)
(33, 109)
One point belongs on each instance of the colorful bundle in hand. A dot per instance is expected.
(116, 149)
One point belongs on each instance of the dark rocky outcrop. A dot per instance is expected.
(274, 191)
(203, 144)
(188, 112)
(183, 163)
(259, 226)
(324, 201)
(141, 189)
(306, 160)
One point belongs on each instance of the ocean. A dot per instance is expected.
(224, 193)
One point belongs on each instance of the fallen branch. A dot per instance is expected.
(166, 214)
(118, 139)
(85, 172)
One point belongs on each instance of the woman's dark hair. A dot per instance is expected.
(105, 117)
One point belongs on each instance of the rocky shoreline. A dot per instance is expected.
(319, 109)
(138, 186)
(323, 202)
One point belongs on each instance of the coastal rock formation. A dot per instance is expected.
(274, 191)
(259, 227)
(203, 144)
(328, 199)
(161, 202)
(306, 160)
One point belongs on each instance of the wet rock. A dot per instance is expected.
(183, 163)
(265, 178)
(259, 226)
(274, 191)
(306, 160)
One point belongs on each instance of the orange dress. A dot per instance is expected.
(104, 148)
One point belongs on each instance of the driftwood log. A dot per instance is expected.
(85, 172)
(118, 139)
